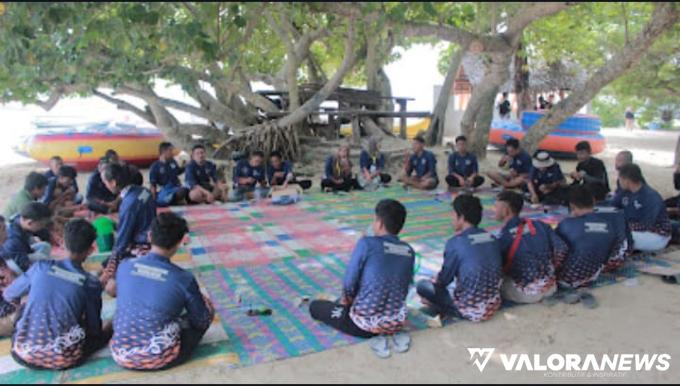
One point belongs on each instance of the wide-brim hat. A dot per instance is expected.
(542, 160)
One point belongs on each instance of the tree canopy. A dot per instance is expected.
(215, 51)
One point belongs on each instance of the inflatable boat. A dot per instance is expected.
(562, 140)
(81, 145)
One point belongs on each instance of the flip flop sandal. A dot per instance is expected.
(380, 347)
(552, 299)
(570, 297)
(588, 300)
(670, 279)
(401, 342)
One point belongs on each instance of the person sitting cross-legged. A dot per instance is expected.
(644, 210)
(463, 167)
(165, 173)
(200, 177)
(424, 164)
(99, 198)
(623, 246)
(34, 188)
(589, 170)
(61, 196)
(519, 162)
(20, 249)
(546, 183)
(530, 249)
(60, 324)
(280, 173)
(250, 179)
(473, 259)
(376, 282)
(56, 162)
(338, 175)
(591, 239)
(372, 164)
(161, 315)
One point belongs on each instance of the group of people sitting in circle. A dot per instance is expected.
(52, 308)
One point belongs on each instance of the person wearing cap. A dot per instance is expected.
(644, 210)
(546, 182)
(519, 162)
(372, 164)
(463, 167)
(424, 164)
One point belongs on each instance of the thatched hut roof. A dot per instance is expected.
(542, 77)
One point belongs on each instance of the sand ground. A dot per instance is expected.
(642, 315)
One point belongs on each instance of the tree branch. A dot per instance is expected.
(531, 12)
(123, 105)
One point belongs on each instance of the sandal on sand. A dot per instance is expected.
(401, 342)
(671, 279)
(552, 299)
(570, 297)
(588, 300)
(379, 346)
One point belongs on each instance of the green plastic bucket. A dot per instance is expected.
(105, 228)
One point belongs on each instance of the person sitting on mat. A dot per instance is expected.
(546, 183)
(201, 179)
(589, 170)
(463, 167)
(644, 210)
(34, 188)
(519, 162)
(60, 325)
(473, 259)
(529, 249)
(424, 164)
(372, 165)
(591, 240)
(7, 276)
(20, 249)
(250, 179)
(280, 173)
(623, 245)
(137, 211)
(151, 330)
(338, 172)
(99, 198)
(56, 162)
(60, 195)
(165, 172)
(376, 282)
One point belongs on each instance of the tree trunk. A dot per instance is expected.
(480, 137)
(522, 81)
(677, 152)
(385, 88)
(663, 18)
(435, 133)
(483, 96)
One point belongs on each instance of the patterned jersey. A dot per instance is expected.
(244, 169)
(533, 265)
(377, 281)
(644, 210)
(624, 239)
(591, 240)
(425, 163)
(368, 161)
(152, 292)
(63, 307)
(202, 175)
(473, 259)
(463, 165)
(165, 173)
